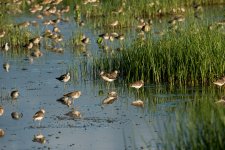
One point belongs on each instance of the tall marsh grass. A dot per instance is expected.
(127, 12)
(191, 56)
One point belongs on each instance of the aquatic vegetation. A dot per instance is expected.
(190, 56)
(102, 13)
(201, 129)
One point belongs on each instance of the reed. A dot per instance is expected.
(191, 56)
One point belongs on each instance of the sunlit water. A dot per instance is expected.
(116, 126)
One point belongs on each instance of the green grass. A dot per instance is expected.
(190, 56)
(105, 10)
(198, 125)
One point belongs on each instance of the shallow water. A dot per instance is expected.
(116, 126)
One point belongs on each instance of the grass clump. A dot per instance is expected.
(191, 56)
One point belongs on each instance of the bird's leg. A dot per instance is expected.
(73, 104)
(108, 85)
(39, 124)
(65, 86)
(137, 93)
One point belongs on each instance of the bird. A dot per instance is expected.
(74, 113)
(2, 133)
(36, 40)
(73, 95)
(1, 110)
(6, 66)
(109, 100)
(137, 84)
(115, 23)
(220, 82)
(36, 53)
(5, 47)
(64, 78)
(112, 94)
(40, 138)
(85, 40)
(221, 101)
(65, 100)
(39, 115)
(109, 77)
(138, 103)
(16, 115)
(28, 46)
(14, 94)
(2, 33)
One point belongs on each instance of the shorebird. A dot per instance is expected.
(14, 94)
(64, 78)
(16, 115)
(146, 28)
(138, 103)
(6, 66)
(1, 110)
(23, 24)
(137, 85)
(28, 46)
(109, 77)
(65, 9)
(36, 53)
(74, 113)
(220, 82)
(56, 30)
(40, 138)
(85, 40)
(2, 133)
(38, 116)
(221, 101)
(109, 100)
(104, 36)
(73, 95)
(5, 47)
(114, 24)
(65, 100)
(119, 36)
(112, 94)
(2, 33)
(36, 40)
